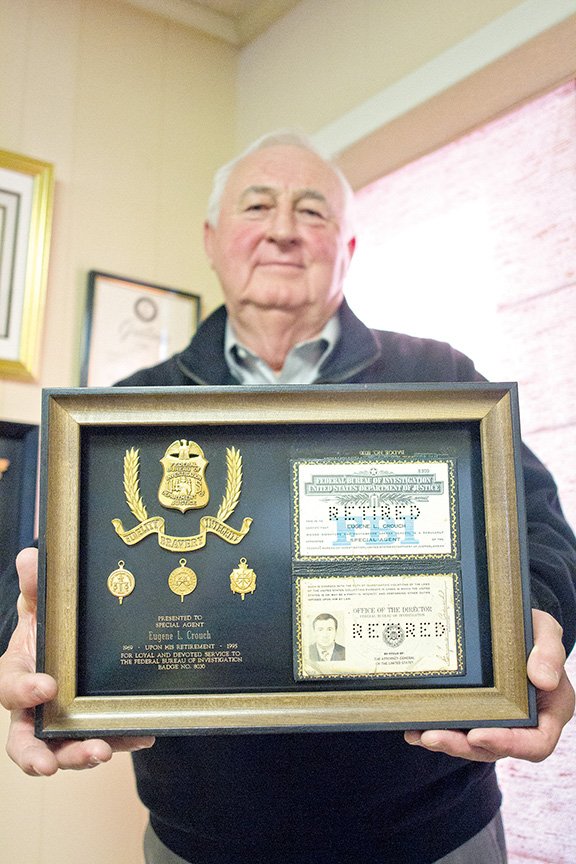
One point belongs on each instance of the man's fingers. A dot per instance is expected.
(547, 658)
(555, 708)
(453, 743)
(27, 566)
(128, 744)
(24, 637)
(79, 755)
(43, 758)
(22, 689)
(30, 754)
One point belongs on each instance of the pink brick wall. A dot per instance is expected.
(515, 181)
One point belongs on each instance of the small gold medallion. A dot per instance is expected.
(182, 580)
(243, 579)
(121, 582)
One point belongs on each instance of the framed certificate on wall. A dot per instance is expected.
(130, 325)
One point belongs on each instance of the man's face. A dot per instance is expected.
(325, 632)
(279, 242)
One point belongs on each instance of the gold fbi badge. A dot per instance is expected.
(183, 487)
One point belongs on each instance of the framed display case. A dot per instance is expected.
(328, 557)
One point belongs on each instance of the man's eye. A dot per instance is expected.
(257, 208)
(311, 214)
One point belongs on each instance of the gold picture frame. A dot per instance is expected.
(26, 203)
(315, 416)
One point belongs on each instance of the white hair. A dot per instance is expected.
(286, 138)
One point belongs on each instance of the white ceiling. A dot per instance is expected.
(234, 21)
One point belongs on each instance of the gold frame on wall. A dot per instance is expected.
(508, 700)
(24, 287)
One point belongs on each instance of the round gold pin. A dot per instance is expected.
(182, 580)
(121, 582)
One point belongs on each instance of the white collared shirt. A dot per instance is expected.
(302, 365)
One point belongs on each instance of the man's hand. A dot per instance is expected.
(555, 708)
(22, 688)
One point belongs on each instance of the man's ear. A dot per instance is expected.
(209, 242)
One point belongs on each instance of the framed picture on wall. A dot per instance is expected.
(132, 324)
(26, 198)
(18, 482)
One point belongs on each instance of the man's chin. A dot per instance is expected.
(279, 301)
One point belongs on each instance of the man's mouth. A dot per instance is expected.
(294, 265)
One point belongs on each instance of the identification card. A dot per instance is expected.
(379, 626)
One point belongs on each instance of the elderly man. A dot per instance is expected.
(280, 238)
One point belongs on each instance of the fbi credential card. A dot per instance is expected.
(374, 508)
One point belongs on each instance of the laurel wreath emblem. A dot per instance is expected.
(132, 484)
(233, 484)
(229, 501)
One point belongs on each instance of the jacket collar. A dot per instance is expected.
(203, 360)
(357, 348)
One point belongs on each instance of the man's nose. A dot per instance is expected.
(283, 227)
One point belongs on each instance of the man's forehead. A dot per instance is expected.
(273, 191)
(284, 168)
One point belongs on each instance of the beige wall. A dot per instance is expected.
(135, 113)
(323, 59)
